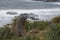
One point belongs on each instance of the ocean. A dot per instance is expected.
(45, 10)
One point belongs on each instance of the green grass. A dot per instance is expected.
(46, 32)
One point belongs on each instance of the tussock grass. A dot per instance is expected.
(44, 32)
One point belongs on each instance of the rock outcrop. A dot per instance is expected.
(12, 13)
(31, 16)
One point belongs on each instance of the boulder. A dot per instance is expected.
(30, 16)
(12, 13)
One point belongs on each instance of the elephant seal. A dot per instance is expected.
(20, 26)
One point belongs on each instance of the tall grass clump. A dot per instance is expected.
(7, 34)
(32, 25)
(41, 25)
(4, 33)
(56, 19)
(46, 31)
(54, 33)
(32, 37)
(13, 24)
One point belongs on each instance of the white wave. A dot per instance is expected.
(58, 3)
(43, 14)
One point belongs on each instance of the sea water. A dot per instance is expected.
(45, 10)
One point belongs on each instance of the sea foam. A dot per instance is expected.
(44, 14)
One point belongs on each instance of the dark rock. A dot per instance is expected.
(12, 13)
(24, 15)
(30, 16)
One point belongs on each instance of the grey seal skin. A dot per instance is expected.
(20, 26)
